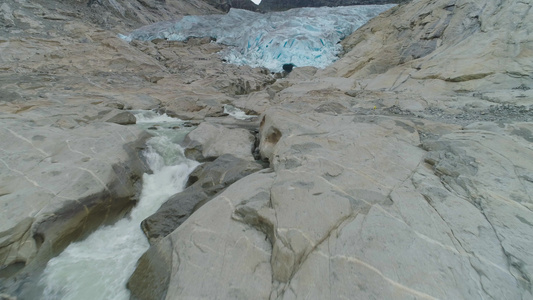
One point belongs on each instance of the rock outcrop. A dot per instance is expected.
(61, 180)
(69, 160)
(103, 13)
(447, 45)
(244, 4)
(204, 183)
(402, 171)
(209, 141)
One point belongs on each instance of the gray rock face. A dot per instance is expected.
(150, 279)
(403, 171)
(459, 45)
(356, 200)
(58, 185)
(205, 182)
(244, 4)
(114, 12)
(225, 270)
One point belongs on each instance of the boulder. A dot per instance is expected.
(123, 118)
(209, 141)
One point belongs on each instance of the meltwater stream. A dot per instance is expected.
(99, 266)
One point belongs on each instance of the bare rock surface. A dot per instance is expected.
(61, 180)
(225, 270)
(69, 153)
(364, 203)
(403, 171)
(205, 182)
(449, 45)
(209, 141)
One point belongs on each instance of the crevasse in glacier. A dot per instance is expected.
(301, 36)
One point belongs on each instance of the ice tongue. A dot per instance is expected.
(298, 37)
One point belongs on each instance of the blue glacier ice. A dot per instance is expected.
(301, 36)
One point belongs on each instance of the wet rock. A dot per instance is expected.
(211, 226)
(123, 118)
(58, 185)
(204, 183)
(288, 67)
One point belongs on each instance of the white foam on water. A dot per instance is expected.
(301, 36)
(236, 112)
(100, 266)
(148, 116)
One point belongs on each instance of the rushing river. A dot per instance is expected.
(100, 266)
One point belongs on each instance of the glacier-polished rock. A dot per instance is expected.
(355, 208)
(58, 185)
(403, 171)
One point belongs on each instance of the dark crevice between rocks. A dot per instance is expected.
(450, 165)
(204, 183)
(256, 151)
(150, 278)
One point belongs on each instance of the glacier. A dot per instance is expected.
(300, 36)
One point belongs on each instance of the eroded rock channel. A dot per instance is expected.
(403, 170)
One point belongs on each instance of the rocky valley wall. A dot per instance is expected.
(404, 170)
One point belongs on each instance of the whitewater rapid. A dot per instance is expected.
(301, 36)
(100, 266)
